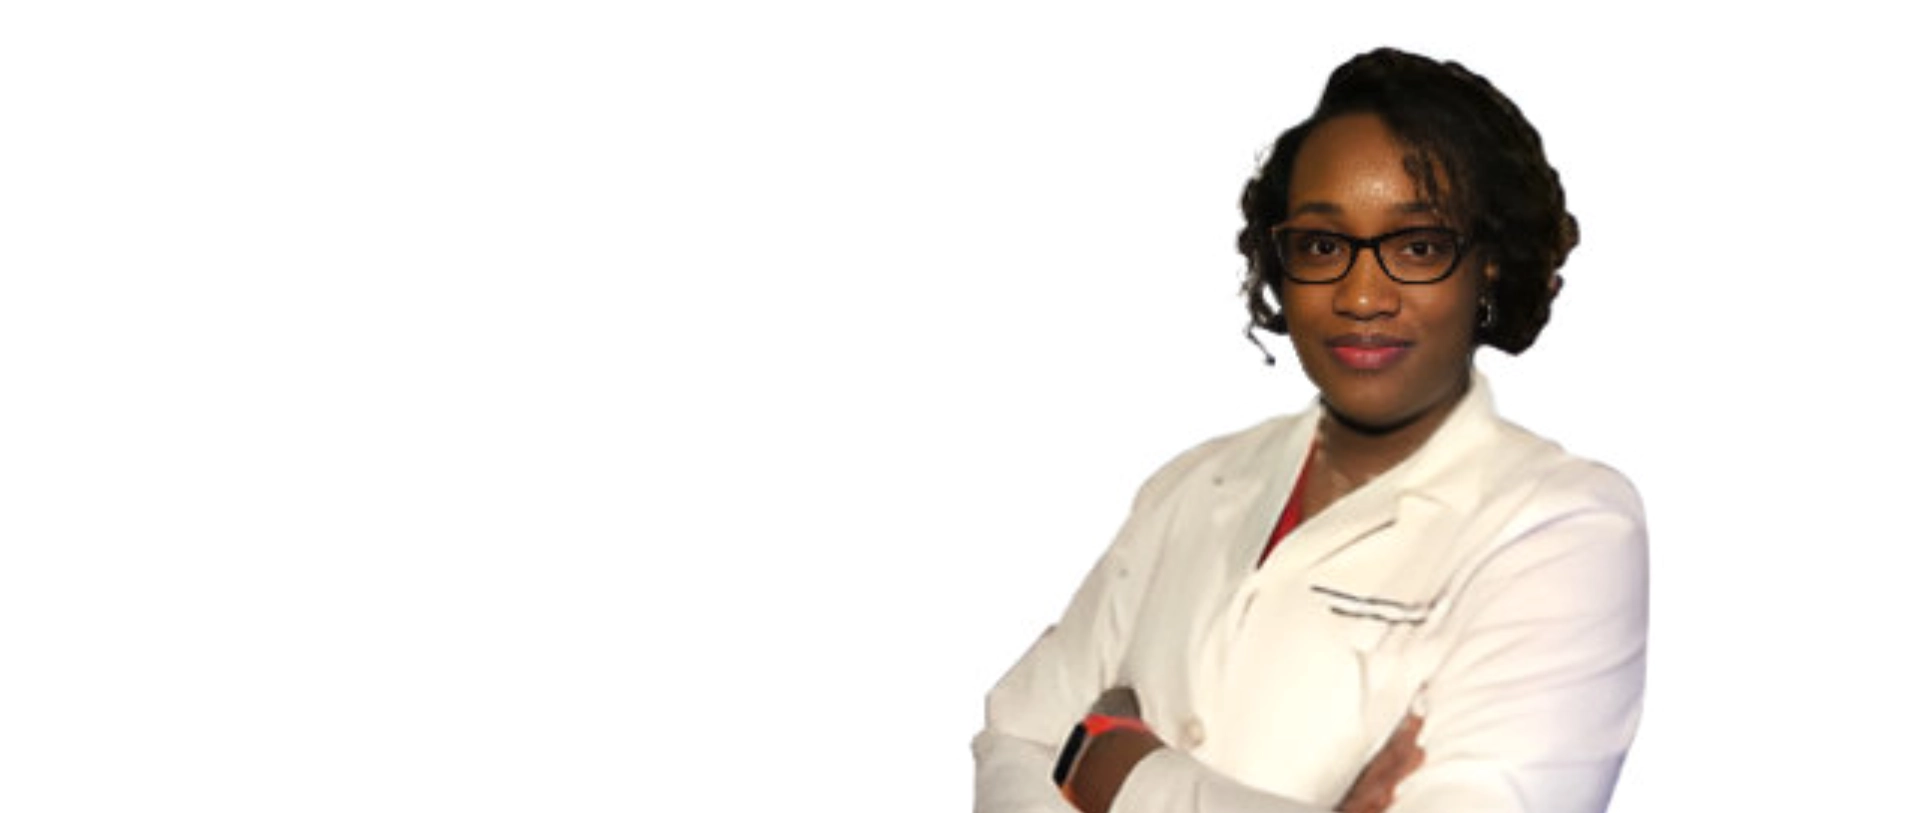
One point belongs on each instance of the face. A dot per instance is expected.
(1385, 355)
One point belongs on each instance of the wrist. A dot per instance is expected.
(1099, 755)
(1098, 724)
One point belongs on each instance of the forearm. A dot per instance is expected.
(1170, 781)
(1120, 772)
(1014, 775)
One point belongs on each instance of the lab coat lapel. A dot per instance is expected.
(1346, 523)
(1251, 490)
(1394, 532)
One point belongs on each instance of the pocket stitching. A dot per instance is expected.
(1376, 608)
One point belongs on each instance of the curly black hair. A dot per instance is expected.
(1498, 188)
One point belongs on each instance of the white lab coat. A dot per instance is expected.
(1491, 581)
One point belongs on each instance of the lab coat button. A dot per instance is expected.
(1193, 733)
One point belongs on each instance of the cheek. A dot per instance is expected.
(1308, 315)
(1450, 321)
(1305, 301)
(1454, 313)
(1451, 305)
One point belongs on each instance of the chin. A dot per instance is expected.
(1372, 421)
(1362, 402)
(1376, 403)
(1381, 403)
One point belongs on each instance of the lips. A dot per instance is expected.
(1368, 352)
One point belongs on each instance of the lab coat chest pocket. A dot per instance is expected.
(1391, 595)
(1388, 636)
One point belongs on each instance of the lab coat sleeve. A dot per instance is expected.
(1535, 703)
(1031, 710)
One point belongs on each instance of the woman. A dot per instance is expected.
(1394, 596)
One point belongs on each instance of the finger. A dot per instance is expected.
(1394, 762)
(1409, 727)
(1402, 756)
(1406, 738)
(1374, 788)
(1373, 801)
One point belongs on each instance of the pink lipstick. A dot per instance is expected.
(1368, 353)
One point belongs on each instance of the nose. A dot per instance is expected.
(1366, 292)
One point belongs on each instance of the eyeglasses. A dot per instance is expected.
(1415, 256)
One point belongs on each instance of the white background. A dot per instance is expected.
(568, 406)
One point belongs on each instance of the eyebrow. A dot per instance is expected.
(1325, 208)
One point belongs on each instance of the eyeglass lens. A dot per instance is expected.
(1411, 255)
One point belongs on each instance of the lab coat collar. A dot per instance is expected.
(1428, 492)
(1434, 470)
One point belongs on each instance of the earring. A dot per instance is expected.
(1486, 313)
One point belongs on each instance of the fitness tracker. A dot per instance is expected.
(1083, 732)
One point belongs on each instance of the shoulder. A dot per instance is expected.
(1551, 534)
(1555, 482)
(1483, 465)
(1510, 493)
(1543, 511)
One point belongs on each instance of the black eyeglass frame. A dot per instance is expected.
(1355, 245)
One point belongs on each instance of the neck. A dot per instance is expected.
(1356, 453)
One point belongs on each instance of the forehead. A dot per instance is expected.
(1352, 160)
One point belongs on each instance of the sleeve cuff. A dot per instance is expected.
(1172, 781)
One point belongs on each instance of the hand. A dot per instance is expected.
(1373, 791)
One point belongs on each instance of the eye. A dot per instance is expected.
(1315, 245)
(1425, 247)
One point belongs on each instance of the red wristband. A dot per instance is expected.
(1089, 728)
(1098, 724)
